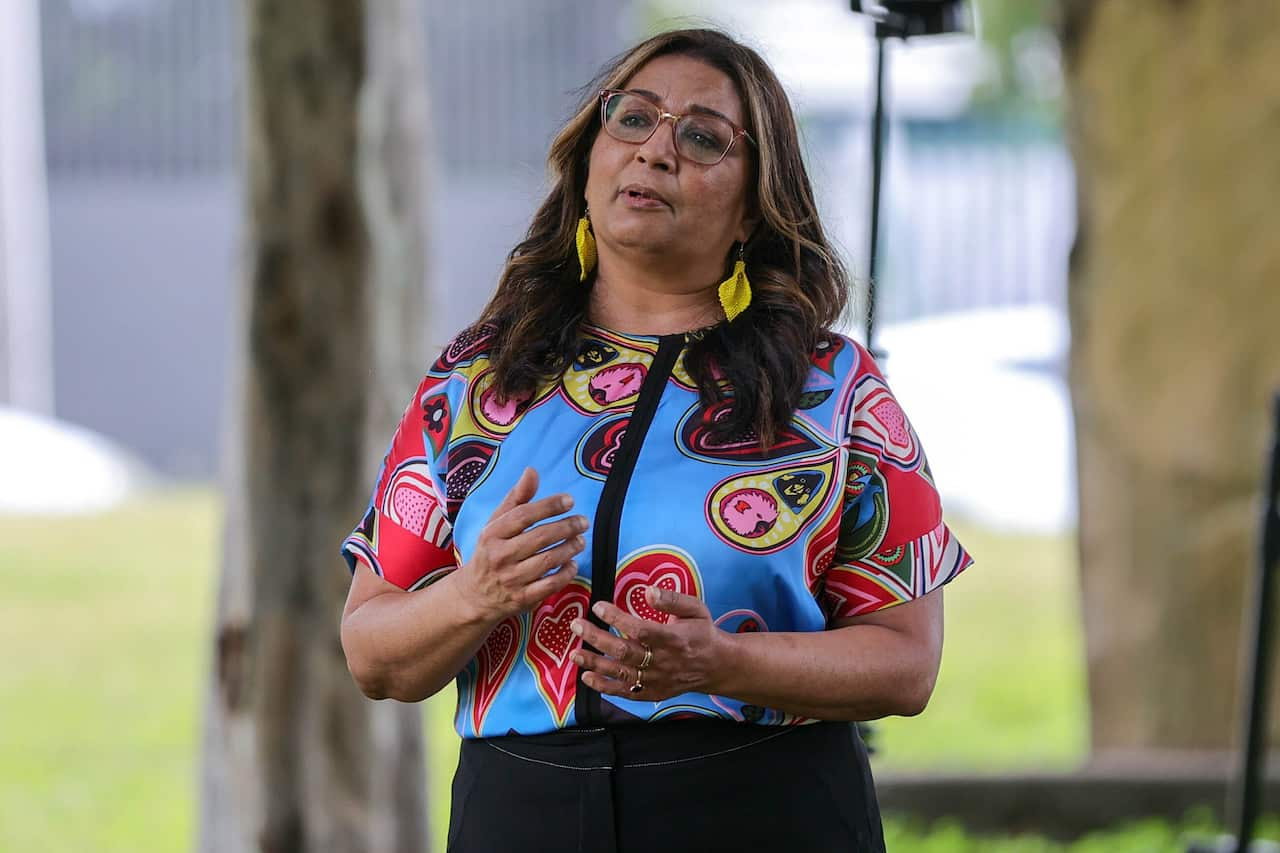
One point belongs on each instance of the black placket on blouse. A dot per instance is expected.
(604, 541)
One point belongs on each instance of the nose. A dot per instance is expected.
(659, 150)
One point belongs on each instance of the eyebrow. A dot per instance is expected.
(693, 108)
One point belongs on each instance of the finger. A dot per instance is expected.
(635, 628)
(606, 642)
(614, 687)
(677, 603)
(538, 538)
(592, 662)
(521, 493)
(512, 522)
(539, 564)
(541, 589)
(607, 669)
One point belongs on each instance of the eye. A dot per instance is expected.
(704, 134)
(635, 119)
(630, 114)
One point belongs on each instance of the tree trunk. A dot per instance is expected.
(26, 326)
(392, 118)
(1175, 313)
(295, 758)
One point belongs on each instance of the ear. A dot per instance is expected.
(751, 215)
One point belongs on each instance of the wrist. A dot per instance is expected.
(469, 608)
(727, 663)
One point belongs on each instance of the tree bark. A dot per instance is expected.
(393, 113)
(295, 758)
(26, 324)
(1175, 307)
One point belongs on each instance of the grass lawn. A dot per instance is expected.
(105, 620)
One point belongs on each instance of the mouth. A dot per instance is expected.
(642, 193)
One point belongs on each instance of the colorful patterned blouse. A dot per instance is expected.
(839, 518)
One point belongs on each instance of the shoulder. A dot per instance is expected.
(468, 351)
(843, 359)
(864, 401)
(452, 374)
(838, 367)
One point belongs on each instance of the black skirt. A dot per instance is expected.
(687, 785)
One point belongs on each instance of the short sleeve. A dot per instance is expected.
(405, 536)
(893, 544)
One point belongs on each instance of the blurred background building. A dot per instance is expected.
(125, 329)
(121, 268)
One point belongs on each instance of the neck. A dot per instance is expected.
(652, 302)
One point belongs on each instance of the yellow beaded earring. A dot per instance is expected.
(586, 246)
(735, 291)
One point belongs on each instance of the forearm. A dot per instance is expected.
(859, 672)
(408, 647)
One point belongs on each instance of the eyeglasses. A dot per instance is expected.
(701, 137)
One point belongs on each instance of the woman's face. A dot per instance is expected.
(701, 210)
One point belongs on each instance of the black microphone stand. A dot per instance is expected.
(893, 19)
(896, 19)
(883, 31)
(1246, 802)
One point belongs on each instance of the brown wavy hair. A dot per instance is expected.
(799, 286)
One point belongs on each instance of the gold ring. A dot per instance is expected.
(637, 687)
(648, 659)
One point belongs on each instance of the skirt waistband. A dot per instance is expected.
(659, 744)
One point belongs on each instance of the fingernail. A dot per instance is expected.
(578, 660)
(565, 503)
(576, 626)
(598, 609)
(582, 523)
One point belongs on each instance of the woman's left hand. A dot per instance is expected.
(686, 652)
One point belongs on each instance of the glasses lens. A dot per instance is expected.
(629, 118)
(702, 138)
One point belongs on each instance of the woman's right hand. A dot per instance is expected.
(505, 575)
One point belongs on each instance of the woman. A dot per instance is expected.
(665, 667)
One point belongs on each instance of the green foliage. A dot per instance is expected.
(1002, 21)
(1016, 35)
(651, 17)
(1147, 836)
(107, 618)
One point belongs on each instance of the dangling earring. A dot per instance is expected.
(735, 291)
(586, 246)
